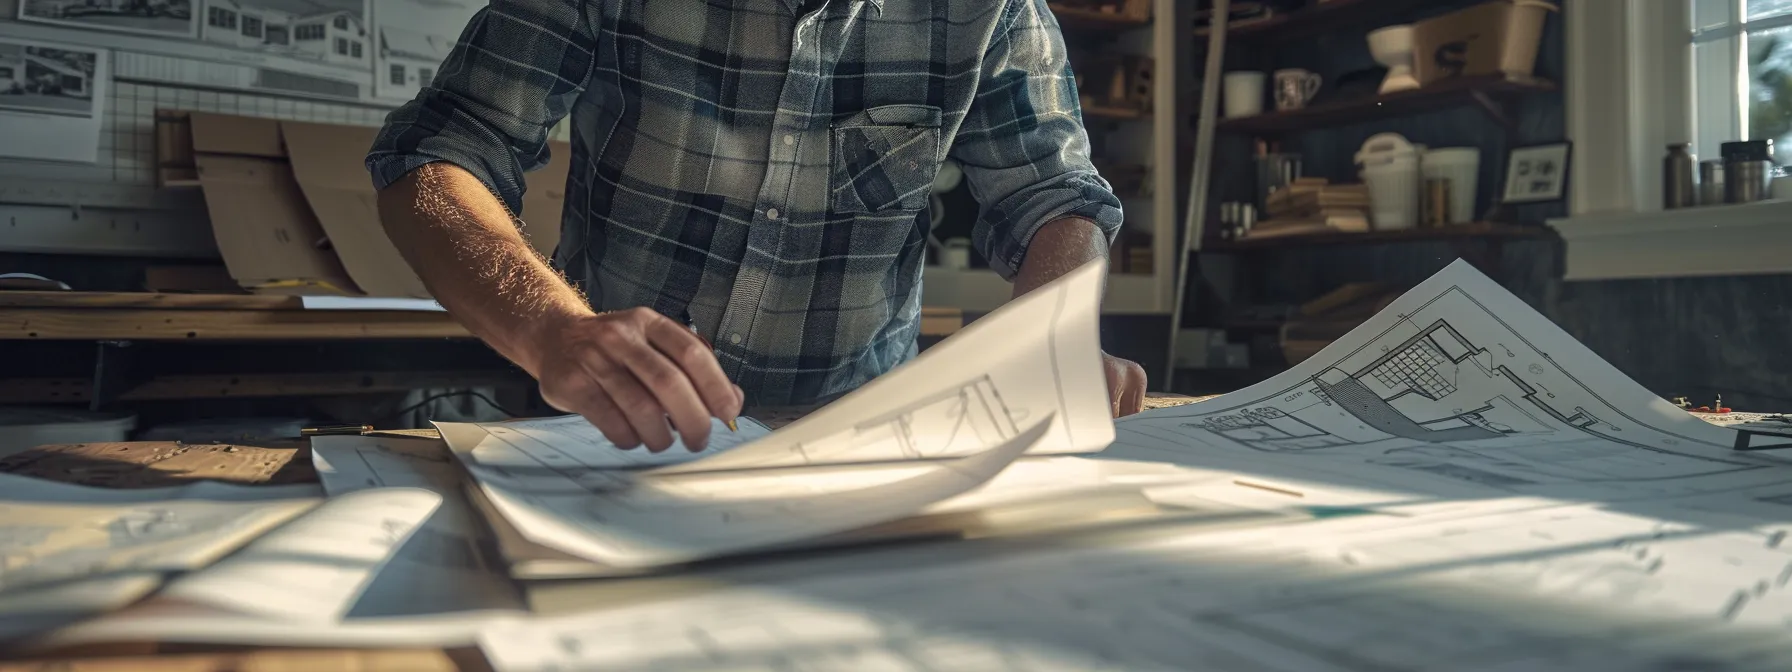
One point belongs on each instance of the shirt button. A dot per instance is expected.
(734, 338)
(771, 213)
(789, 139)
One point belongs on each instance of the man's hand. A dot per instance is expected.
(629, 371)
(1126, 384)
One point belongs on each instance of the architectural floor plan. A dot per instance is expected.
(1459, 381)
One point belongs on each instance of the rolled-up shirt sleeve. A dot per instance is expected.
(513, 74)
(1022, 144)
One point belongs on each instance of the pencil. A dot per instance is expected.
(732, 426)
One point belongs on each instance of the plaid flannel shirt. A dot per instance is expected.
(765, 166)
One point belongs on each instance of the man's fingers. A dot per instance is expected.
(640, 406)
(607, 418)
(1133, 399)
(698, 362)
(666, 382)
(590, 402)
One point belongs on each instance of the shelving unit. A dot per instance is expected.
(1480, 230)
(1324, 16)
(1489, 93)
(1482, 243)
(1152, 142)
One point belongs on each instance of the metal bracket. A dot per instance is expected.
(113, 373)
(1743, 436)
(1495, 109)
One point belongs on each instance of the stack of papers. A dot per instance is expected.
(1457, 484)
(568, 503)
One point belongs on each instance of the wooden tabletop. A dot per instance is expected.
(123, 316)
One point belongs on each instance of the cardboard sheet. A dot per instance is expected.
(293, 208)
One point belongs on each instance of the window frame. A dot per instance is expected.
(1629, 91)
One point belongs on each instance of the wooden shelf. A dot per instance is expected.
(1117, 113)
(1439, 96)
(125, 316)
(1082, 19)
(1452, 232)
(1322, 16)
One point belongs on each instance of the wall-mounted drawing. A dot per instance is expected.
(408, 53)
(166, 18)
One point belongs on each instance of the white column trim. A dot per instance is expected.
(1628, 95)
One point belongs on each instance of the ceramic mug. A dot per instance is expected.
(1244, 94)
(1295, 88)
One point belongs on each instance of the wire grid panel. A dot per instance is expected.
(127, 135)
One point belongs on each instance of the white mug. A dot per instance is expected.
(956, 254)
(1244, 94)
(1295, 88)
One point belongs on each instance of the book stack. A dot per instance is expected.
(1313, 205)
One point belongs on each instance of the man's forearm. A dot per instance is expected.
(463, 243)
(1061, 246)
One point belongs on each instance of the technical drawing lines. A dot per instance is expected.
(1416, 367)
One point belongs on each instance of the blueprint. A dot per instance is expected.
(68, 551)
(1274, 598)
(1037, 355)
(449, 549)
(570, 442)
(1457, 389)
(343, 574)
(657, 520)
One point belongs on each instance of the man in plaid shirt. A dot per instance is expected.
(753, 171)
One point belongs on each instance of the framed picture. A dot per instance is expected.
(164, 18)
(1537, 174)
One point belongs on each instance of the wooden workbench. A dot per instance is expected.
(123, 316)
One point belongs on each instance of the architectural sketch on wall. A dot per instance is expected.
(413, 38)
(308, 48)
(43, 80)
(50, 100)
(167, 18)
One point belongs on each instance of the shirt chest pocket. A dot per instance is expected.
(885, 159)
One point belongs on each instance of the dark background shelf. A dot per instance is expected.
(1452, 232)
(1486, 91)
(1320, 17)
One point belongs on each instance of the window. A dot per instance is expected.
(1742, 65)
(354, 48)
(252, 26)
(218, 17)
(397, 74)
(6, 73)
(341, 23)
(425, 76)
(276, 35)
(308, 33)
(342, 46)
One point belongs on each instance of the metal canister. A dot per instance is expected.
(1679, 174)
(1711, 182)
(1437, 202)
(1748, 170)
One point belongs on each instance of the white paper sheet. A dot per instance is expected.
(646, 521)
(1190, 600)
(337, 576)
(1039, 354)
(1460, 390)
(68, 551)
(450, 549)
(314, 568)
(16, 488)
(368, 303)
(52, 99)
(524, 450)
